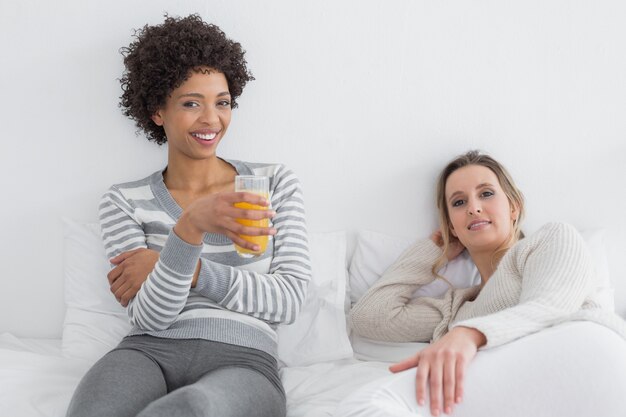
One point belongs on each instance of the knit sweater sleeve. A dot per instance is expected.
(387, 311)
(119, 229)
(164, 293)
(555, 272)
(278, 296)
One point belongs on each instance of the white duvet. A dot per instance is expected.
(36, 381)
(574, 369)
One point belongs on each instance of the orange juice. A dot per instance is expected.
(258, 240)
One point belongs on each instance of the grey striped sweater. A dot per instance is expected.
(236, 300)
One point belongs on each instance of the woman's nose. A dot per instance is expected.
(473, 208)
(209, 115)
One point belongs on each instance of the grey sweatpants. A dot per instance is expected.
(149, 376)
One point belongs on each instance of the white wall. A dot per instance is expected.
(365, 100)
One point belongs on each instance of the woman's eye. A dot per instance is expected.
(190, 104)
(457, 203)
(224, 103)
(487, 193)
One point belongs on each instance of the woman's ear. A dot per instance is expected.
(157, 118)
(452, 231)
(514, 212)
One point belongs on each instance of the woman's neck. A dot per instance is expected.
(198, 176)
(487, 261)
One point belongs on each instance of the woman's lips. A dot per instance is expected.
(478, 224)
(205, 138)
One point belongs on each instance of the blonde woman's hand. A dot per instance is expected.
(441, 366)
(216, 213)
(454, 248)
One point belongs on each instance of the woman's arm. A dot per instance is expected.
(133, 263)
(556, 274)
(387, 311)
(276, 297)
(158, 291)
(164, 293)
(119, 229)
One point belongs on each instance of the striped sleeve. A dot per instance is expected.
(278, 296)
(164, 293)
(120, 231)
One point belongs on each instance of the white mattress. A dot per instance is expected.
(36, 381)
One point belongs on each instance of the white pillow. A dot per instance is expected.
(375, 252)
(604, 293)
(95, 322)
(320, 332)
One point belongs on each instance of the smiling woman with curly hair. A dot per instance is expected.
(203, 340)
(160, 60)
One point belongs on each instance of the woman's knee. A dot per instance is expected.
(126, 376)
(235, 392)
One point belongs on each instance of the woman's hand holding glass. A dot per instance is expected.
(212, 214)
(216, 213)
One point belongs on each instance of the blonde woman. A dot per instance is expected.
(528, 284)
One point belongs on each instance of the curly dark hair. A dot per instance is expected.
(161, 59)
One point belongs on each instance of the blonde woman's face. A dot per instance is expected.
(481, 216)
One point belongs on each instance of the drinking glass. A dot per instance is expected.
(255, 184)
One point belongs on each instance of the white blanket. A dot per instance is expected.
(36, 381)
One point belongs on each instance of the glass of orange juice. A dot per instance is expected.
(255, 184)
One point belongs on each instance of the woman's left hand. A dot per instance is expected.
(442, 365)
(131, 270)
(455, 247)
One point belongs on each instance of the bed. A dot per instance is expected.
(321, 363)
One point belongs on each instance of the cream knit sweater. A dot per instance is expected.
(543, 280)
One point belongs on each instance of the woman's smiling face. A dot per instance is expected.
(480, 213)
(196, 115)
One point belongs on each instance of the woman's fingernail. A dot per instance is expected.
(448, 410)
(436, 412)
(420, 401)
(458, 400)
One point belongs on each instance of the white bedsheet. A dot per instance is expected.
(316, 390)
(36, 381)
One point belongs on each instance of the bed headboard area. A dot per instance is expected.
(364, 101)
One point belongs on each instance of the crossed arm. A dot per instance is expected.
(147, 281)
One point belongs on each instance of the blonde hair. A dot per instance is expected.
(514, 195)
